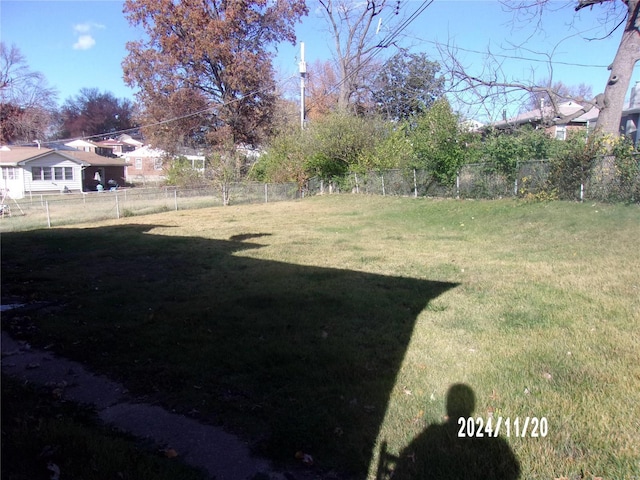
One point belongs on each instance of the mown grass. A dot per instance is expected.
(337, 324)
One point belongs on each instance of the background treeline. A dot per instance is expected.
(436, 141)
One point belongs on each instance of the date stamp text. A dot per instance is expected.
(531, 427)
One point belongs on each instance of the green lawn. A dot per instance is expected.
(336, 325)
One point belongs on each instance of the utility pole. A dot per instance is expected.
(303, 74)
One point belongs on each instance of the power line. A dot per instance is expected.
(514, 57)
(384, 43)
(173, 119)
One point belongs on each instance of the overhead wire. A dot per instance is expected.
(384, 43)
(169, 120)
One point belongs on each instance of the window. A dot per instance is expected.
(561, 132)
(138, 163)
(51, 173)
(157, 164)
(9, 173)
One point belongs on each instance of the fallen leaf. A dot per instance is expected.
(406, 391)
(170, 453)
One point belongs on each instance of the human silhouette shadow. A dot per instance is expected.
(440, 452)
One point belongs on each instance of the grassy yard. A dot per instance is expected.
(336, 325)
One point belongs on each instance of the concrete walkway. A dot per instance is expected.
(221, 455)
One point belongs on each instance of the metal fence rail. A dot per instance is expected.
(41, 211)
(530, 179)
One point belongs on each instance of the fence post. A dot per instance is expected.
(355, 175)
(48, 216)
(458, 184)
(582, 191)
(266, 193)
(415, 184)
(383, 190)
(117, 208)
(175, 199)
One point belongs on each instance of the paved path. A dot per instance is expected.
(220, 454)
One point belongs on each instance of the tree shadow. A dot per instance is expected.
(296, 358)
(452, 450)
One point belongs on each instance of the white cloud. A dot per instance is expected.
(85, 39)
(86, 27)
(85, 42)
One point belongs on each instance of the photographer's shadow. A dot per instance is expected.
(442, 451)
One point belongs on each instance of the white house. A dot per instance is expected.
(28, 170)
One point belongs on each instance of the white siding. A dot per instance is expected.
(50, 183)
(13, 185)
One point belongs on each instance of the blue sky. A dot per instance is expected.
(78, 44)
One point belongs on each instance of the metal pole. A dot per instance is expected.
(48, 216)
(303, 74)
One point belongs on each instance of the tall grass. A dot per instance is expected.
(336, 325)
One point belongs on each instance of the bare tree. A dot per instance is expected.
(561, 92)
(354, 26)
(27, 103)
(491, 84)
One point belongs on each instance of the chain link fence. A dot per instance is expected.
(42, 211)
(606, 181)
(535, 179)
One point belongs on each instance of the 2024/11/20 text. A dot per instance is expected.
(533, 427)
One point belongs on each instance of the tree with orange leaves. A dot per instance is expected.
(211, 56)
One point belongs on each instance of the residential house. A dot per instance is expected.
(145, 165)
(631, 115)
(84, 145)
(545, 117)
(28, 170)
(117, 147)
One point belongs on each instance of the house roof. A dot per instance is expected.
(110, 142)
(146, 151)
(16, 155)
(79, 143)
(130, 140)
(547, 113)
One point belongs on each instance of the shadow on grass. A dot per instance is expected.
(460, 448)
(296, 358)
